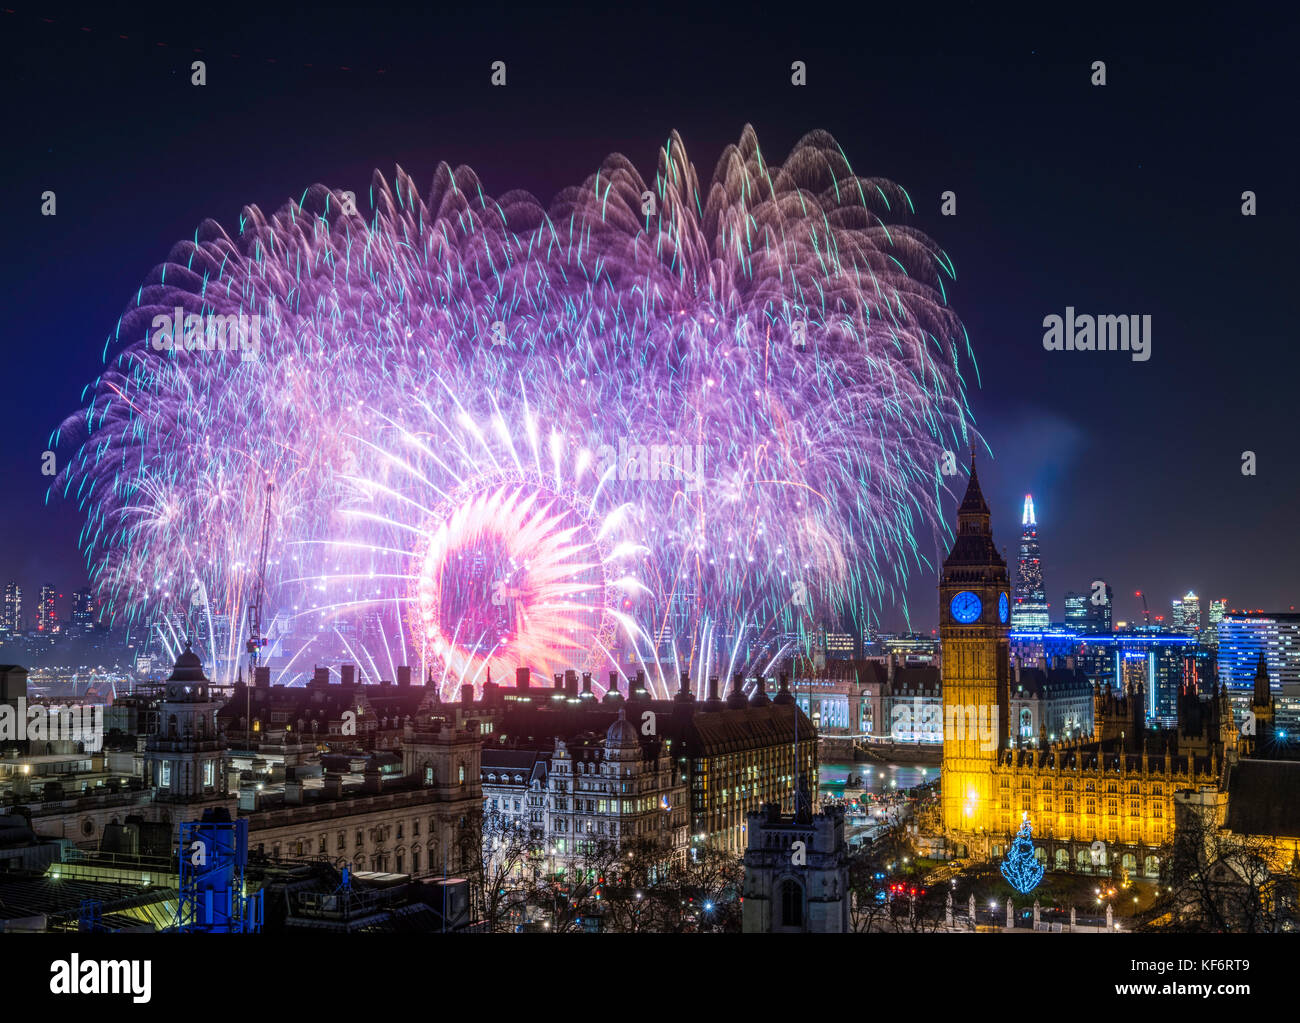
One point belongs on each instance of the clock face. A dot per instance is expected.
(1002, 608)
(966, 607)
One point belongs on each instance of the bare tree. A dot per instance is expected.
(571, 892)
(1214, 881)
(870, 871)
(498, 866)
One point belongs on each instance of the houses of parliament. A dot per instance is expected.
(1108, 798)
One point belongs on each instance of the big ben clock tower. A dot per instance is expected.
(973, 616)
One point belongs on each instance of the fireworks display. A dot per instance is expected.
(655, 424)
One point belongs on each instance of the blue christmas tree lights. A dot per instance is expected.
(1021, 867)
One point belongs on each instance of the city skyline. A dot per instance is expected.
(635, 471)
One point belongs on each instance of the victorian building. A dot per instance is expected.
(736, 753)
(609, 793)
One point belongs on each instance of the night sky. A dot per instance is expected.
(1123, 199)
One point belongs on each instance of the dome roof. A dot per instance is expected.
(621, 734)
(188, 668)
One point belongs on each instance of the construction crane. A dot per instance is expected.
(255, 637)
(1146, 614)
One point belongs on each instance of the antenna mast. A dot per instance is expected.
(255, 637)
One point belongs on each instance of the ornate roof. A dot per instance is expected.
(621, 734)
(188, 669)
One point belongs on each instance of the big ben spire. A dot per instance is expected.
(974, 542)
(973, 504)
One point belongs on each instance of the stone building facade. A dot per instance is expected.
(796, 873)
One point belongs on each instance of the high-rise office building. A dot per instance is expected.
(46, 620)
(12, 618)
(1185, 614)
(1217, 609)
(841, 645)
(1244, 635)
(1101, 606)
(1030, 609)
(1076, 611)
(83, 612)
(681, 617)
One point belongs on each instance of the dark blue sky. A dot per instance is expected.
(1122, 199)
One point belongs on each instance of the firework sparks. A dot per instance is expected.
(658, 413)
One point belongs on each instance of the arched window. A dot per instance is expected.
(791, 904)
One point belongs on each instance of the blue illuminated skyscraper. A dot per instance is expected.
(1243, 636)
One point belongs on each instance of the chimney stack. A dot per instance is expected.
(587, 694)
(612, 695)
(571, 684)
(403, 675)
(466, 695)
(521, 679)
(348, 673)
(714, 702)
(320, 677)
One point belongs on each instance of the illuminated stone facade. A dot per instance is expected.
(1097, 802)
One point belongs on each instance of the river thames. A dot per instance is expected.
(876, 778)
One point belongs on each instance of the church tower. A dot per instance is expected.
(974, 611)
(1260, 739)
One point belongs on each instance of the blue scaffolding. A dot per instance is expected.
(213, 854)
(90, 916)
